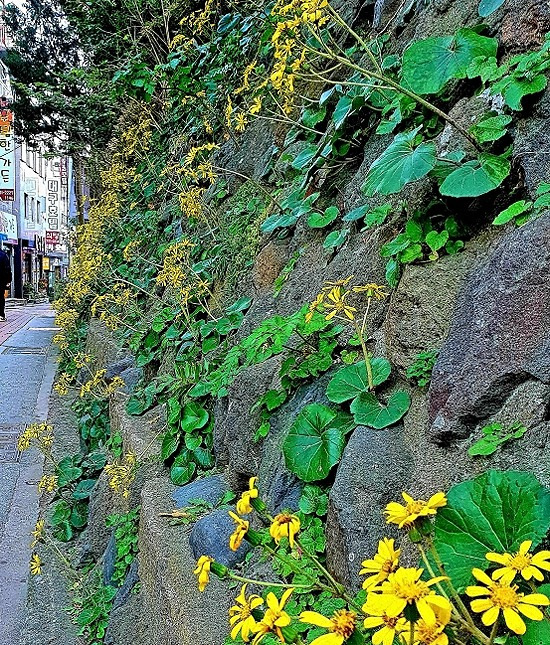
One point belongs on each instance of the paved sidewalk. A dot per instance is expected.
(27, 369)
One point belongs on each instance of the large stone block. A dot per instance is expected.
(174, 611)
(500, 335)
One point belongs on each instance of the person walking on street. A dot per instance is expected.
(5, 279)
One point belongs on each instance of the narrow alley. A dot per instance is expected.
(27, 367)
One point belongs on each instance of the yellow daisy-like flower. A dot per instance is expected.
(275, 617)
(404, 587)
(240, 615)
(405, 515)
(340, 626)
(384, 562)
(390, 626)
(313, 306)
(243, 505)
(240, 122)
(256, 105)
(502, 597)
(371, 290)
(337, 304)
(528, 564)
(284, 525)
(35, 565)
(38, 532)
(428, 634)
(236, 538)
(203, 571)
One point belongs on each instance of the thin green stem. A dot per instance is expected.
(261, 583)
(366, 355)
(411, 632)
(493, 634)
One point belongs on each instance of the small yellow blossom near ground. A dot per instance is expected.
(47, 484)
(274, 618)
(38, 532)
(340, 626)
(240, 615)
(284, 525)
(236, 538)
(384, 562)
(404, 587)
(121, 474)
(405, 515)
(243, 506)
(203, 571)
(500, 597)
(528, 564)
(63, 383)
(35, 565)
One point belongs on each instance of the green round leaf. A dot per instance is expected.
(314, 444)
(320, 220)
(476, 177)
(335, 239)
(170, 443)
(401, 163)
(84, 488)
(495, 512)
(194, 417)
(182, 470)
(368, 411)
(436, 240)
(428, 64)
(510, 213)
(350, 381)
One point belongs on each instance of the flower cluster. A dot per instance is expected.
(108, 306)
(122, 473)
(63, 383)
(47, 484)
(38, 434)
(334, 298)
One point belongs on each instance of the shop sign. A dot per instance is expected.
(8, 227)
(53, 237)
(46, 264)
(7, 156)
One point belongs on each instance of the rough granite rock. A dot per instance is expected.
(210, 489)
(210, 536)
(102, 346)
(375, 464)
(173, 610)
(530, 145)
(235, 425)
(421, 307)
(140, 434)
(500, 336)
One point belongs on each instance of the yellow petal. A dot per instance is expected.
(426, 611)
(328, 639)
(477, 591)
(536, 599)
(490, 616)
(481, 604)
(514, 621)
(373, 621)
(482, 577)
(534, 613)
(315, 618)
(525, 546)
(498, 557)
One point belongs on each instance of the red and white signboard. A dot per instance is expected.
(7, 156)
(53, 237)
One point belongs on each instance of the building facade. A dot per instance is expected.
(35, 207)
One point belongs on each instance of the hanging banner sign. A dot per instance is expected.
(8, 227)
(7, 156)
(53, 237)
